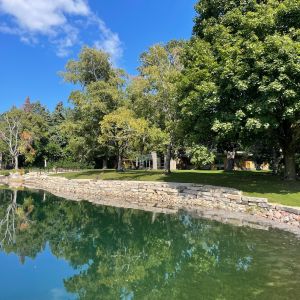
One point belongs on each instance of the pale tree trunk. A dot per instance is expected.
(11, 136)
(1, 160)
(104, 166)
(154, 160)
(15, 197)
(120, 163)
(154, 215)
(16, 160)
(168, 159)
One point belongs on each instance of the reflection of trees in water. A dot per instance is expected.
(14, 219)
(128, 254)
(7, 223)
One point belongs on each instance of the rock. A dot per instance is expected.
(292, 210)
(294, 223)
(277, 215)
(234, 197)
(286, 219)
(263, 205)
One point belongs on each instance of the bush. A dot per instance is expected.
(5, 173)
(69, 165)
(201, 156)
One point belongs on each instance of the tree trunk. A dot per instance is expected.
(120, 163)
(275, 162)
(154, 160)
(104, 166)
(230, 160)
(16, 158)
(14, 198)
(230, 164)
(168, 159)
(1, 160)
(289, 165)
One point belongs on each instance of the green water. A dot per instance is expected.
(56, 249)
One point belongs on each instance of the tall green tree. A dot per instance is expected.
(153, 92)
(101, 93)
(253, 89)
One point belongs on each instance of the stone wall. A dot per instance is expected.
(162, 195)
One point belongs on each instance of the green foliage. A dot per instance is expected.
(242, 71)
(125, 134)
(5, 172)
(201, 156)
(18, 130)
(153, 93)
(92, 65)
(103, 93)
(235, 84)
(66, 164)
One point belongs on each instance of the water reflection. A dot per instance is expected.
(128, 254)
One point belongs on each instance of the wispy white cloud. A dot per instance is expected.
(66, 41)
(44, 17)
(109, 41)
(58, 21)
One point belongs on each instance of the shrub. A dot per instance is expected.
(201, 156)
(69, 165)
(5, 172)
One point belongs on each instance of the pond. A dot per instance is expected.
(52, 248)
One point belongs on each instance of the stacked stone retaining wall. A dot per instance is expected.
(172, 196)
(213, 202)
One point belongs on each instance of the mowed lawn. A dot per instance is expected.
(260, 184)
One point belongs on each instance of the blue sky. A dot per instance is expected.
(38, 37)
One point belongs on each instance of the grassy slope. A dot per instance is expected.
(4, 172)
(261, 184)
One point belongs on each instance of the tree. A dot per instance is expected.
(11, 130)
(23, 131)
(92, 65)
(102, 92)
(52, 145)
(3, 150)
(154, 92)
(36, 120)
(201, 156)
(125, 133)
(254, 52)
(8, 222)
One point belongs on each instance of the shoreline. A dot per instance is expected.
(200, 201)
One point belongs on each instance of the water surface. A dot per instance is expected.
(53, 248)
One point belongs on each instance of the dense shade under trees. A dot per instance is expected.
(233, 86)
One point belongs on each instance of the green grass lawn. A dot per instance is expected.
(4, 172)
(260, 184)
